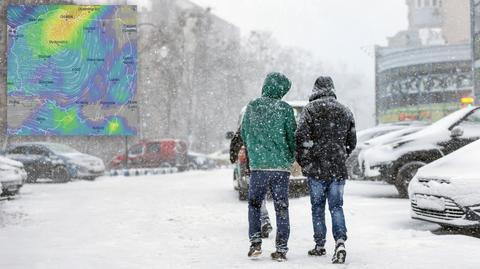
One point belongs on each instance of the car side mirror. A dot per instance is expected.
(456, 132)
(229, 135)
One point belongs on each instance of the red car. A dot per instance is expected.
(153, 154)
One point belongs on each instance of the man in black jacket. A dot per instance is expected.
(325, 137)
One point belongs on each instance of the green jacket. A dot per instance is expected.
(268, 127)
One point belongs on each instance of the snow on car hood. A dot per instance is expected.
(456, 176)
(8, 161)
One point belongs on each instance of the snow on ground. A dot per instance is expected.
(194, 220)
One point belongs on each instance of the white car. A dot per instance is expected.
(221, 157)
(388, 138)
(397, 162)
(364, 137)
(12, 176)
(55, 161)
(447, 191)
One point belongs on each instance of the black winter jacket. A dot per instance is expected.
(325, 137)
(235, 145)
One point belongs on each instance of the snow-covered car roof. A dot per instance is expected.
(35, 143)
(49, 145)
(367, 134)
(425, 139)
(294, 104)
(446, 122)
(392, 136)
(455, 176)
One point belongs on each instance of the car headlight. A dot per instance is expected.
(438, 180)
(476, 209)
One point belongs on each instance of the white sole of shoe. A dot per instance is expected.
(256, 255)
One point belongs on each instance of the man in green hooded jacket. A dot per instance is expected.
(268, 131)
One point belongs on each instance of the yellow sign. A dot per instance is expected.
(467, 100)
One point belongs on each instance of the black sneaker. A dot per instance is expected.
(266, 230)
(317, 251)
(279, 256)
(255, 250)
(340, 254)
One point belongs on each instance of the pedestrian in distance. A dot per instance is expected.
(268, 131)
(324, 139)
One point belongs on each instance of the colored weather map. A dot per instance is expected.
(72, 70)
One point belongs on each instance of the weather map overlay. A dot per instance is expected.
(72, 70)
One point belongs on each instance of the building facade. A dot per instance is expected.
(475, 17)
(426, 70)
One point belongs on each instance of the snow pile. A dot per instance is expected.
(194, 220)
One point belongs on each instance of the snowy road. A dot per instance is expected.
(194, 220)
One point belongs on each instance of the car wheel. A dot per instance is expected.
(405, 175)
(235, 181)
(182, 168)
(242, 195)
(60, 174)
(31, 177)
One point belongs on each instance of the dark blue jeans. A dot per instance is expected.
(277, 183)
(320, 192)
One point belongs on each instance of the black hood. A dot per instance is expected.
(323, 88)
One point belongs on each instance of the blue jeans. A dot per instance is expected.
(277, 183)
(320, 192)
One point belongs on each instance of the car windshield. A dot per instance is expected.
(61, 149)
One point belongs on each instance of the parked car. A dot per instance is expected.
(55, 161)
(199, 161)
(397, 162)
(447, 191)
(221, 158)
(298, 183)
(12, 176)
(379, 141)
(154, 154)
(353, 166)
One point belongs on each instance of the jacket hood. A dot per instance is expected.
(323, 88)
(276, 86)
(323, 93)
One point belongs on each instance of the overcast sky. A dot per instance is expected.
(335, 30)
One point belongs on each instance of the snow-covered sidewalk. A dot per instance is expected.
(194, 220)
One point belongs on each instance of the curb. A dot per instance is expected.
(142, 172)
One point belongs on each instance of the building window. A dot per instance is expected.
(434, 3)
(419, 3)
(427, 3)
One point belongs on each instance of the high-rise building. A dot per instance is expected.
(435, 22)
(475, 17)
